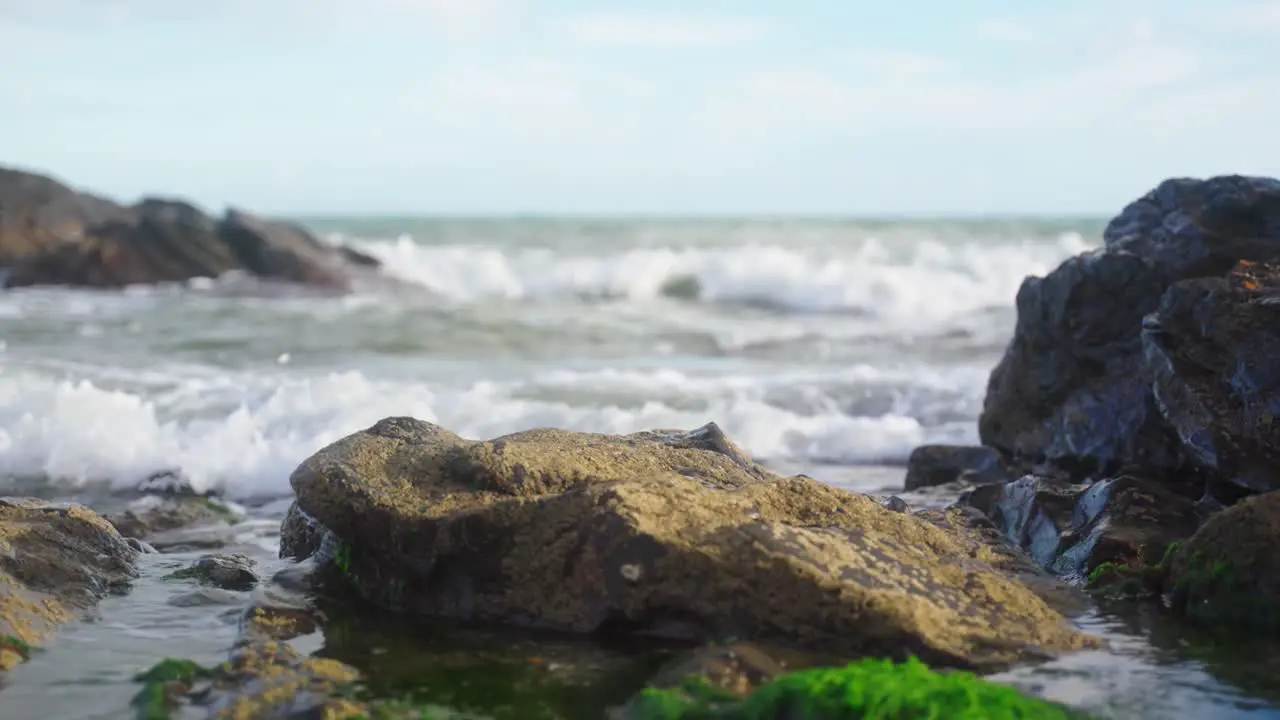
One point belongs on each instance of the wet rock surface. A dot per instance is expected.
(1214, 349)
(155, 515)
(53, 235)
(665, 533)
(1228, 573)
(229, 572)
(1073, 528)
(932, 465)
(56, 561)
(1074, 388)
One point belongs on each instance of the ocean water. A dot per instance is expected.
(826, 347)
(808, 341)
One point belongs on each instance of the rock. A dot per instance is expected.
(59, 237)
(229, 572)
(1073, 529)
(1073, 388)
(1213, 347)
(1228, 573)
(663, 533)
(56, 561)
(285, 607)
(1189, 228)
(932, 465)
(300, 534)
(261, 681)
(153, 515)
(38, 213)
(895, 504)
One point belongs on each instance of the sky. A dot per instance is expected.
(829, 107)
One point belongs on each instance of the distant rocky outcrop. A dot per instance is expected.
(664, 533)
(51, 234)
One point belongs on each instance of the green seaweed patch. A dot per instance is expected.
(865, 690)
(164, 684)
(187, 573)
(16, 644)
(401, 710)
(1132, 580)
(220, 509)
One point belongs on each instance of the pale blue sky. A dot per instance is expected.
(612, 106)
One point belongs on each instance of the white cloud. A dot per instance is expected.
(451, 16)
(635, 29)
(1264, 15)
(533, 87)
(1005, 30)
(899, 65)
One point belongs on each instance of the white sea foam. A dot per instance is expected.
(235, 389)
(251, 431)
(923, 281)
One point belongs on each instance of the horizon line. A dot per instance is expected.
(692, 216)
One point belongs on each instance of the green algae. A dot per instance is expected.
(1213, 590)
(488, 672)
(163, 684)
(1132, 580)
(865, 690)
(16, 644)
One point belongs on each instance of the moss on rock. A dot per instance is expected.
(676, 534)
(1228, 573)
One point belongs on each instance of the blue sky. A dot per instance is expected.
(714, 106)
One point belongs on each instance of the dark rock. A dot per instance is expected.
(56, 236)
(1228, 573)
(1190, 228)
(229, 572)
(1070, 389)
(896, 504)
(678, 535)
(932, 465)
(141, 546)
(300, 534)
(1072, 529)
(56, 561)
(1073, 388)
(153, 516)
(1213, 348)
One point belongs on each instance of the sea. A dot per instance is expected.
(826, 346)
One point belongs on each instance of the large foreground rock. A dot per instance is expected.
(52, 235)
(55, 562)
(665, 533)
(1074, 388)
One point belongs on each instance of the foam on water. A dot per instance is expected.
(245, 434)
(927, 281)
(235, 388)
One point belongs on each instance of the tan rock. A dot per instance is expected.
(667, 533)
(55, 562)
